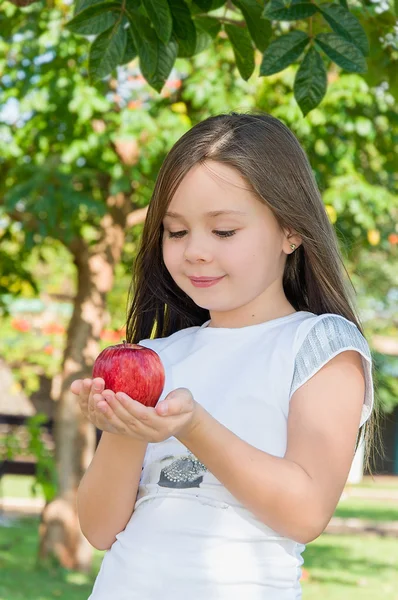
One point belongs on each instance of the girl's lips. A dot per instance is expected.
(203, 282)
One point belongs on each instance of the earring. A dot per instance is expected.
(293, 247)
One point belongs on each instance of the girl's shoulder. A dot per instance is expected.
(329, 330)
(320, 338)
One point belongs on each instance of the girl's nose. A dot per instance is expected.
(196, 249)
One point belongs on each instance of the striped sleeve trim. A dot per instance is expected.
(330, 336)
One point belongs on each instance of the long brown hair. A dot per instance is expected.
(270, 158)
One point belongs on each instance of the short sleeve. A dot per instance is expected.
(329, 336)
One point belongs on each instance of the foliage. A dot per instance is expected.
(45, 479)
(30, 353)
(274, 33)
(71, 144)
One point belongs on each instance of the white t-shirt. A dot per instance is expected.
(189, 538)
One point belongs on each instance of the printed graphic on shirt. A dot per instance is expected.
(185, 471)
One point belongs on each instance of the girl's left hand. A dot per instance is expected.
(173, 416)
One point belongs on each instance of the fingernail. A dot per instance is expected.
(97, 387)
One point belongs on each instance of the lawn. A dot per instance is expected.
(373, 509)
(351, 568)
(339, 567)
(17, 486)
(22, 579)
(20, 486)
(364, 508)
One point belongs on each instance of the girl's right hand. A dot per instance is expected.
(85, 390)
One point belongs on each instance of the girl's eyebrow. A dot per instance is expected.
(212, 213)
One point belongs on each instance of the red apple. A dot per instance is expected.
(133, 369)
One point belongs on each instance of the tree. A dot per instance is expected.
(359, 38)
(65, 175)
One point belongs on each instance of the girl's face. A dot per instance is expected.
(215, 227)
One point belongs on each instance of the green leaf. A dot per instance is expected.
(204, 5)
(203, 39)
(243, 49)
(207, 28)
(211, 25)
(134, 5)
(94, 19)
(283, 51)
(82, 4)
(346, 25)
(343, 3)
(130, 51)
(156, 59)
(160, 16)
(342, 52)
(260, 29)
(311, 81)
(276, 10)
(107, 51)
(183, 27)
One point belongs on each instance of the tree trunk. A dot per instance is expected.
(75, 437)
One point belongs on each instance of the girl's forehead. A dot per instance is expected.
(216, 173)
(212, 189)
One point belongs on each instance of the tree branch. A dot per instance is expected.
(136, 217)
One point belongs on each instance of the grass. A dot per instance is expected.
(364, 508)
(339, 567)
(17, 486)
(351, 568)
(22, 579)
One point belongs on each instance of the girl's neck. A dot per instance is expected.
(234, 321)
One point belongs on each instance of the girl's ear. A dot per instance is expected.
(291, 237)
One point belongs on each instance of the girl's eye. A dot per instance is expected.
(223, 234)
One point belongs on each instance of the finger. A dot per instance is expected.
(85, 391)
(103, 405)
(87, 383)
(120, 411)
(97, 387)
(135, 411)
(100, 404)
(98, 384)
(76, 386)
(177, 402)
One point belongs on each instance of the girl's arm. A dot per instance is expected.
(108, 490)
(295, 495)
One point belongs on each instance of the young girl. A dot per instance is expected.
(239, 287)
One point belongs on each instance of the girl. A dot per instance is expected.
(238, 286)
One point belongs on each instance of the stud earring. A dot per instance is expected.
(293, 247)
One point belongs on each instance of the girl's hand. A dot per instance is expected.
(120, 414)
(85, 390)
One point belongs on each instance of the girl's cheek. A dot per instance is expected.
(170, 259)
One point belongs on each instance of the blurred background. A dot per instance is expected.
(77, 166)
